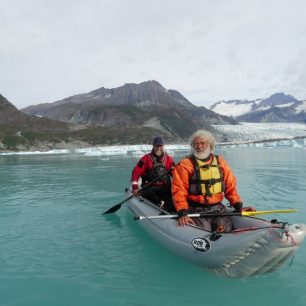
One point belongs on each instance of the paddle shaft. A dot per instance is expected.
(118, 206)
(243, 213)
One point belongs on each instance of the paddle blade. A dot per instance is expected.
(112, 209)
(117, 206)
(264, 212)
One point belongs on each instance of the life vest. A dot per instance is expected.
(158, 169)
(207, 179)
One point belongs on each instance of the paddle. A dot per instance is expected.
(118, 206)
(243, 213)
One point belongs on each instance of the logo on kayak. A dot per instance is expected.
(200, 244)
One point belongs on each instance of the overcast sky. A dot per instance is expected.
(208, 50)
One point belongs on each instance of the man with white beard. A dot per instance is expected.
(200, 183)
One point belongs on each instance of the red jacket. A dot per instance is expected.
(180, 185)
(145, 166)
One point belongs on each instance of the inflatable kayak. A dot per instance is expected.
(255, 246)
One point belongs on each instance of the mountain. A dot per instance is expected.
(279, 107)
(146, 105)
(22, 132)
(11, 117)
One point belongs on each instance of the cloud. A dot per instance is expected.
(207, 50)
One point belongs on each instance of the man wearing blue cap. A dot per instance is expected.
(150, 167)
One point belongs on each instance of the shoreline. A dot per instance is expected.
(140, 149)
(244, 135)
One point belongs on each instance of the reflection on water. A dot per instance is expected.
(114, 220)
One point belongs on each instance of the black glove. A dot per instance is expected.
(182, 213)
(237, 206)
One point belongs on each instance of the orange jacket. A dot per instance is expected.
(180, 185)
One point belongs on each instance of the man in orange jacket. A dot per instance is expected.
(200, 183)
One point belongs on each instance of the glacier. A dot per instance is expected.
(243, 135)
(254, 132)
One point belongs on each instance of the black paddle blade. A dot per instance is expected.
(118, 206)
(112, 209)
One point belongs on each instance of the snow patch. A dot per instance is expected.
(232, 109)
(301, 108)
(153, 123)
(286, 105)
(257, 102)
(262, 108)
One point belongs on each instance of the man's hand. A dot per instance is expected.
(135, 192)
(183, 218)
(135, 189)
(238, 206)
(249, 208)
(182, 221)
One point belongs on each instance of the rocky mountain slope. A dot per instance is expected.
(19, 131)
(278, 107)
(11, 117)
(147, 104)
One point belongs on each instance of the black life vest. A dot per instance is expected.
(158, 169)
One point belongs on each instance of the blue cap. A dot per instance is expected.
(158, 140)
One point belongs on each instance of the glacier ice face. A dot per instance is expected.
(244, 135)
(254, 132)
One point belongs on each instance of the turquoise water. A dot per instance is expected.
(57, 249)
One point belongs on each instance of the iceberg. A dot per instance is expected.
(129, 150)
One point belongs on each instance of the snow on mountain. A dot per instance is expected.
(232, 108)
(278, 107)
(260, 109)
(287, 105)
(301, 107)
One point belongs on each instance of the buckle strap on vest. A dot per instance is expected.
(211, 181)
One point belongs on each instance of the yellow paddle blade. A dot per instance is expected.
(265, 212)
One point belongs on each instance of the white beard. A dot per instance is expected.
(201, 155)
(158, 152)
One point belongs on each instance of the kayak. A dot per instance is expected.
(255, 246)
